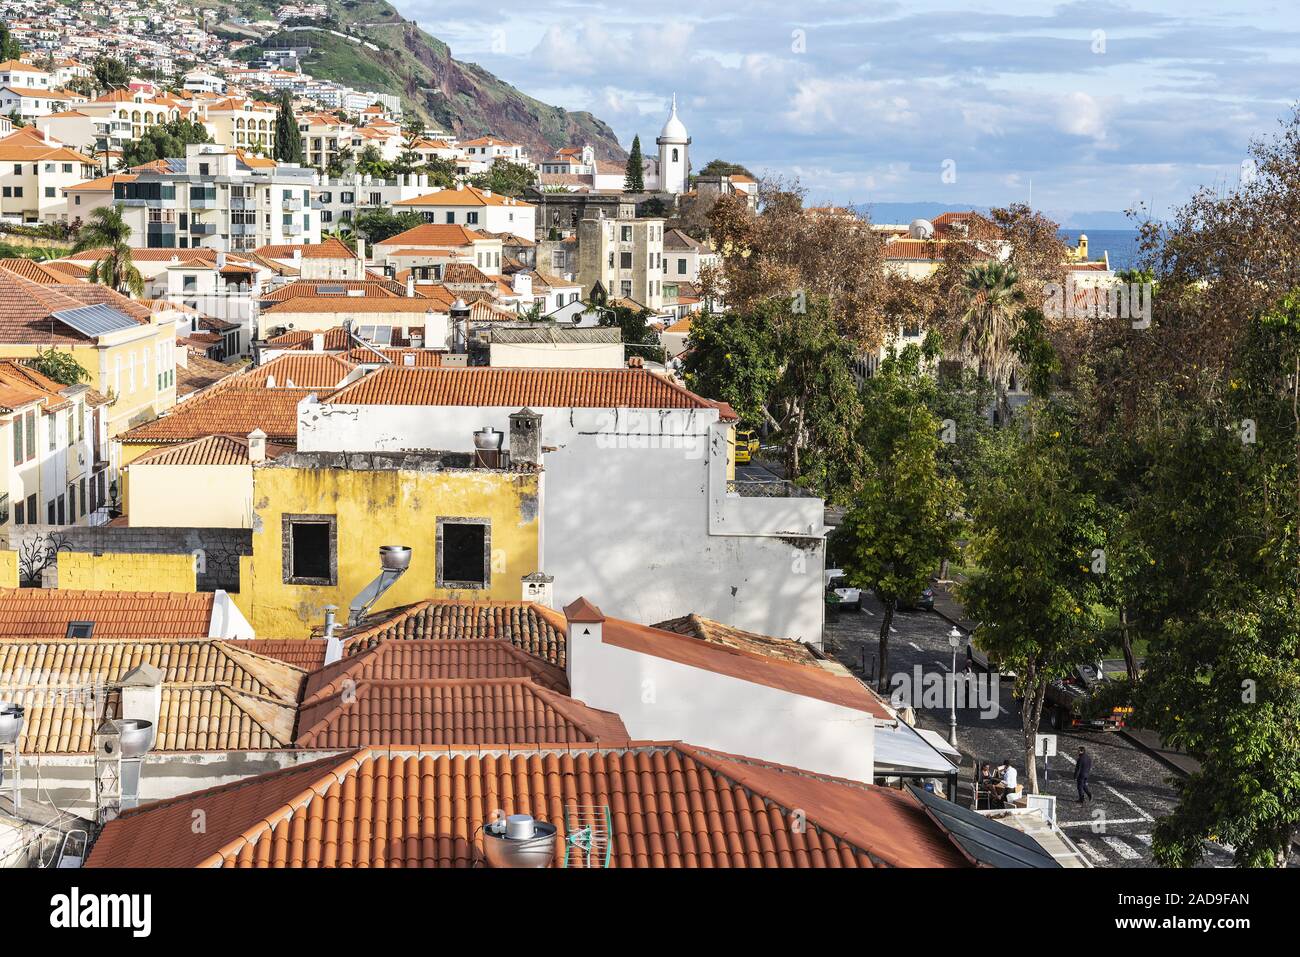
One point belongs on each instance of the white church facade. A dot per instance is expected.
(670, 170)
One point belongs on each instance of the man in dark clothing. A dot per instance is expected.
(1082, 768)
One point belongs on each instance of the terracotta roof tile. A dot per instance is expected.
(534, 628)
(706, 629)
(303, 370)
(210, 450)
(226, 410)
(536, 388)
(439, 235)
(308, 654)
(328, 249)
(500, 712)
(670, 805)
(442, 659)
(45, 613)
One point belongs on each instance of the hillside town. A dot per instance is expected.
(388, 496)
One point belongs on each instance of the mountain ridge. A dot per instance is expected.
(461, 97)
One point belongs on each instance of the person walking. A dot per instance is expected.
(1083, 768)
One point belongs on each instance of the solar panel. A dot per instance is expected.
(330, 290)
(95, 320)
(380, 335)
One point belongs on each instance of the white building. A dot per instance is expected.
(214, 199)
(689, 540)
(476, 208)
(670, 172)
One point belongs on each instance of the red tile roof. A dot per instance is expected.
(670, 805)
(383, 288)
(45, 613)
(27, 308)
(308, 654)
(210, 450)
(737, 660)
(498, 712)
(534, 628)
(536, 388)
(303, 370)
(348, 305)
(435, 659)
(440, 235)
(226, 410)
(329, 249)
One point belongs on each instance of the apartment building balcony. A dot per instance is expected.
(292, 229)
(240, 202)
(292, 205)
(243, 229)
(203, 229)
(203, 202)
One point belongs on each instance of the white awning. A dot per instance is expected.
(903, 750)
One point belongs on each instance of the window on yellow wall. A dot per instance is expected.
(464, 553)
(309, 549)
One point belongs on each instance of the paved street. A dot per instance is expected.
(1131, 789)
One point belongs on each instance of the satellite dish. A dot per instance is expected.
(921, 229)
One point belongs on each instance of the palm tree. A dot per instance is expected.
(107, 230)
(990, 313)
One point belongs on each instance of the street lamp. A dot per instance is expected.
(955, 639)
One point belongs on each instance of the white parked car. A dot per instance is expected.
(846, 596)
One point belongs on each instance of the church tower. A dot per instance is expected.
(674, 155)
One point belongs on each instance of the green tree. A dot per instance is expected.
(110, 74)
(107, 231)
(733, 357)
(380, 224)
(10, 48)
(370, 162)
(634, 329)
(634, 177)
(505, 178)
(720, 167)
(288, 138)
(59, 366)
(1036, 526)
(165, 140)
(992, 301)
(812, 400)
(1222, 681)
(903, 521)
(441, 172)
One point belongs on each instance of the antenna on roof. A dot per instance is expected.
(587, 830)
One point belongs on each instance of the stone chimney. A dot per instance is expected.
(410, 286)
(582, 635)
(297, 254)
(525, 437)
(256, 446)
(142, 693)
(523, 284)
(539, 589)
(318, 342)
(361, 250)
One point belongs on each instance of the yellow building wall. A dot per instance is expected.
(188, 496)
(383, 507)
(126, 572)
(129, 452)
(8, 569)
(131, 407)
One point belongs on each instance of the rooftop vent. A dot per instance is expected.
(394, 560)
(519, 842)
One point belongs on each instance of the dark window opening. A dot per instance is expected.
(463, 554)
(80, 629)
(309, 544)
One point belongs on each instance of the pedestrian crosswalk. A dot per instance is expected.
(1134, 850)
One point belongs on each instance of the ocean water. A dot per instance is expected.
(1120, 243)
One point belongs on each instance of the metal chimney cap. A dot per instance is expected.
(488, 439)
(504, 849)
(137, 736)
(394, 558)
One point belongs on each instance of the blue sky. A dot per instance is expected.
(1092, 106)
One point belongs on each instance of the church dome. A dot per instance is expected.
(674, 130)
